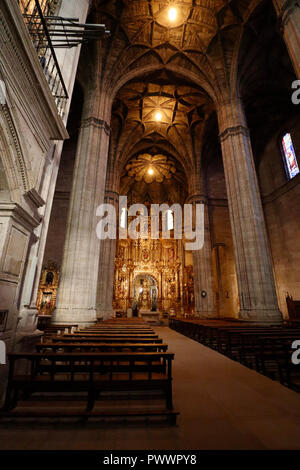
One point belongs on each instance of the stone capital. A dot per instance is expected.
(233, 131)
(96, 122)
(111, 194)
(197, 199)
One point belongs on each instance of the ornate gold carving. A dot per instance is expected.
(149, 274)
(47, 292)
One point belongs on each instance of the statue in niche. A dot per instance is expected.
(49, 278)
(144, 297)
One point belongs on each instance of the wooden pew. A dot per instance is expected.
(95, 347)
(91, 336)
(117, 328)
(113, 331)
(101, 339)
(92, 373)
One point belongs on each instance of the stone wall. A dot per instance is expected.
(60, 208)
(281, 200)
(222, 243)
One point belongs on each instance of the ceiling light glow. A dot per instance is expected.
(150, 171)
(158, 116)
(172, 14)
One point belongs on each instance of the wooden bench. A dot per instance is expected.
(92, 373)
(117, 330)
(264, 348)
(94, 347)
(101, 339)
(110, 336)
(114, 332)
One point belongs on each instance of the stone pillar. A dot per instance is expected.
(202, 259)
(68, 61)
(257, 292)
(288, 12)
(76, 301)
(106, 268)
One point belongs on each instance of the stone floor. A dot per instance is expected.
(222, 404)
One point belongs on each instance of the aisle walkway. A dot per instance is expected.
(223, 405)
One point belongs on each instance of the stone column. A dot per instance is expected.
(288, 12)
(257, 292)
(202, 259)
(106, 268)
(76, 301)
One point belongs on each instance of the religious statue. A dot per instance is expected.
(144, 297)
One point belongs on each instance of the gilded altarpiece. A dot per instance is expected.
(157, 267)
(48, 287)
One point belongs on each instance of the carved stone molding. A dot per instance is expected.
(111, 196)
(19, 215)
(197, 199)
(99, 123)
(17, 147)
(34, 197)
(234, 131)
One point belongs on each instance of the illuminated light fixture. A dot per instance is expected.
(172, 14)
(150, 171)
(158, 116)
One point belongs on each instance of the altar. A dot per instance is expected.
(150, 317)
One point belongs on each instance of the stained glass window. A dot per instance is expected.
(290, 159)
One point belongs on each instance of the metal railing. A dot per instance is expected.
(34, 13)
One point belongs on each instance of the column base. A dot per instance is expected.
(263, 317)
(105, 314)
(28, 322)
(76, 316)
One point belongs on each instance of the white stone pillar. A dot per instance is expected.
(288, 12)
(107, 268)
(68, 61)
(202, 259)
(256, 283)
(76, 301)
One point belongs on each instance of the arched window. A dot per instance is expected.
(123, 221)
(289, 156)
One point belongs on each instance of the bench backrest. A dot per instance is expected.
(92, 363)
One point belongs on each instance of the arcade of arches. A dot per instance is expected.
(184, 112)
(186, 102)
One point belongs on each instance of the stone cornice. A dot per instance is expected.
(95, 122)
(34, 197)
(19, 215)
(234, 131)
